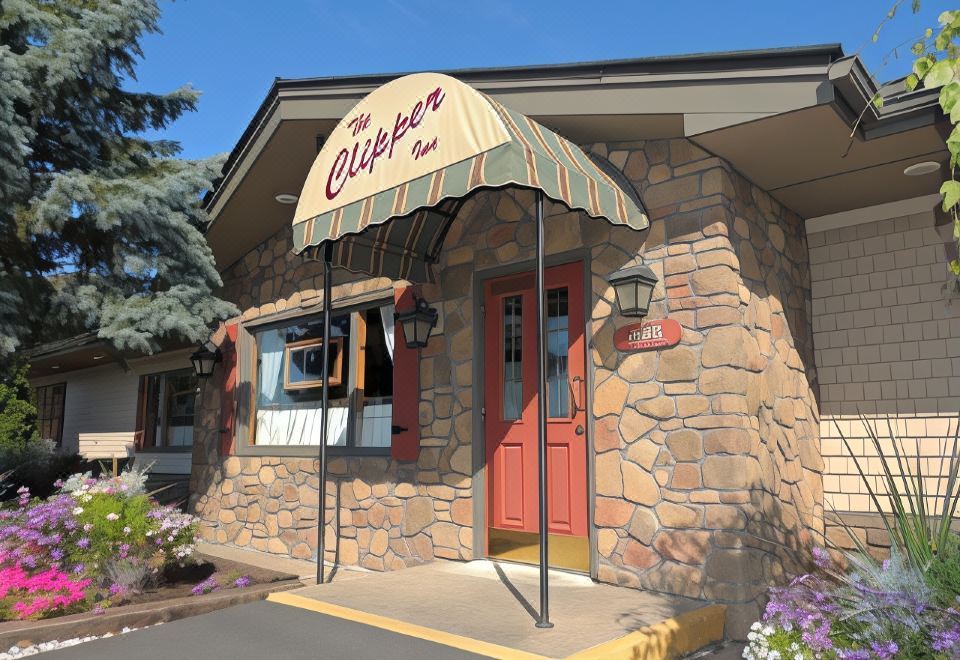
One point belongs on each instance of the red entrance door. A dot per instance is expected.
(510, 366)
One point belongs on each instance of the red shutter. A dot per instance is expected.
(228, 407)
(405, 443)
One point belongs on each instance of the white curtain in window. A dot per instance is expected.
(299, 424)
(386, 315)
(271, 365)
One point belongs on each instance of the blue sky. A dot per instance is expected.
(232, 49)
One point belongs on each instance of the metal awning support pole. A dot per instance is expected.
(324, 407)
(544, 620)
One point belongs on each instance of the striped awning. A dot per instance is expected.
(390, 178)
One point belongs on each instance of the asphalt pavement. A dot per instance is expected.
(260, 630)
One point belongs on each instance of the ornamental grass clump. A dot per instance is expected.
(95, 542)
(862, 608)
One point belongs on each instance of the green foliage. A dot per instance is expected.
(937, 64)
(99, 226)
(943, 575)
(919, 522)
(114, 519)
(18, 414)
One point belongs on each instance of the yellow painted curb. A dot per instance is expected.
(685, 633)
(403, 628)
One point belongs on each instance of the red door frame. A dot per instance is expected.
(510, 446)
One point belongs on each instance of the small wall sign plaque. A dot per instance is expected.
(647, 336)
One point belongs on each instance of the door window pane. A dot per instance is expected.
(50, 411)
(169, 407)
(558, 346)
(512, 357)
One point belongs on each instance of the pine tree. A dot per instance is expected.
(100, 227)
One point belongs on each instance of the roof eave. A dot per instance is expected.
(822, 54)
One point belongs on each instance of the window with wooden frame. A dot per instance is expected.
(303, 363)
(50, 399)
(287, 385)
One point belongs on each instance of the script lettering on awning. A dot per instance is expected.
(350, 162)
(402, 132)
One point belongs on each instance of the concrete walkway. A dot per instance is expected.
(496, 603)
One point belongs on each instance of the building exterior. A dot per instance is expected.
(86, 390)
(804, 269)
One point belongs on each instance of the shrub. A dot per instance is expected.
(920, 522)
(866, 611)
(96, 539)
(905, 606)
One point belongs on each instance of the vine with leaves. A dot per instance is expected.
(937, 65)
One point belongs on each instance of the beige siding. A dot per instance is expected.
(98, 400)
(166, 462)
(886, 343)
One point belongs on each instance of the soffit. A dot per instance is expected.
(808, 161)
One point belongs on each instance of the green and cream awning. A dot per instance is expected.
(389, 179)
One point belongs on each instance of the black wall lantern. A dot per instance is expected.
(417, 323)
(203, 360)
(634, 288)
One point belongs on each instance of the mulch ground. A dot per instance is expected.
(179, 581)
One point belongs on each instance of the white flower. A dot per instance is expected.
(112, 516)
(77, 511)
(126, 530)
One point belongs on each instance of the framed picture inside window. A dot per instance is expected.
(303, 363)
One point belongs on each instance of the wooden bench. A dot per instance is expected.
(113, 446)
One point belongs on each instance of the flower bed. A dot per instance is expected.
(852, 606)
(861, 612)
(94, 543)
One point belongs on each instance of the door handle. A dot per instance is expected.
(574, 392)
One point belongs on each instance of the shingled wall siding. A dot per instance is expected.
(704, 452)
(887, 345)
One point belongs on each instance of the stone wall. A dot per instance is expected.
(708, 451)
(704, 453)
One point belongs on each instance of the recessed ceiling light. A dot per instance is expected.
(919, 169)
(98, 357)
(55, 366)
(286, 198)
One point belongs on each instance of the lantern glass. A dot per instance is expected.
(203, 362)
(417, 323)
(634, 289)
(626, 295)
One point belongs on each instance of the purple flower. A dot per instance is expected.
(207, 586)
(79, 568)
(885, 649)
(117, 589)
(83, 543)
(56, 554)
(821, 557)
(856, 654)
(945, 640)
(242, 581)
